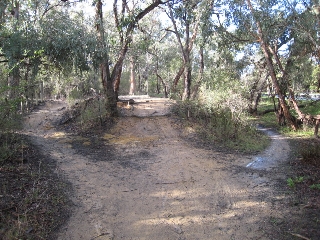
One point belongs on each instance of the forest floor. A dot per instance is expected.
(147, 177)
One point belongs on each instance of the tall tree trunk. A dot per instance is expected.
(275, 82)
(187, 64)
(158, 76)
(196, 87)
(165, 87)
(117, 70)
(187, 80)
(132, 77)
(111, 104)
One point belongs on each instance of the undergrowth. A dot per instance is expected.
(10, 121)
(310, 152)
(86, 114)
(221, 127)
(33, 202)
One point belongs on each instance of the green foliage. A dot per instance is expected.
(221, 118)
(66, 41)
(312, 108)
(10, 121)
(9, 146)
(315, 186)
(291, 182)
(91, 113)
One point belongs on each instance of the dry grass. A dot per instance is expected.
(33, 202)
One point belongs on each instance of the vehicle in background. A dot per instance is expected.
(308, 96)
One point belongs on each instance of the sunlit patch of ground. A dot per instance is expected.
(132, 139)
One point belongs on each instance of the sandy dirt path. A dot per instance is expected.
(146, 179)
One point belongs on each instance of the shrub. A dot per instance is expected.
(222, 117)
(310, 153)
(10, 121)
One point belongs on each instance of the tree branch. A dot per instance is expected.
(176, 31)
(146, 11)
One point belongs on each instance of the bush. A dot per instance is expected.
(86, 114)
(10, 121)
(310, 153)
(222, 117)
(93, 111)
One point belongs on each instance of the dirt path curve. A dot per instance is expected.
(142, 180)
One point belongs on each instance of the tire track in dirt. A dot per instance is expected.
(146, 182)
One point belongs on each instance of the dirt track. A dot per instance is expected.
(143, 180)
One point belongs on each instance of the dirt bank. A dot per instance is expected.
(141, 179)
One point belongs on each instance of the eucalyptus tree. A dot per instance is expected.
(42, 33)
(206, 42)
(271, 26)
(148, 51)
(186, 19)
(256, 80)
(126, 16)
(11, 37)
(306, 33)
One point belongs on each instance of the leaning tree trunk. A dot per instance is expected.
(264, 47)
(177, 77)
(305, 118)
(281, 96)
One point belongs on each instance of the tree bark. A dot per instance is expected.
(200, 74)
(177, 77)
(111, 103)
(165, 88)
(187, 65)
(132, 77)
